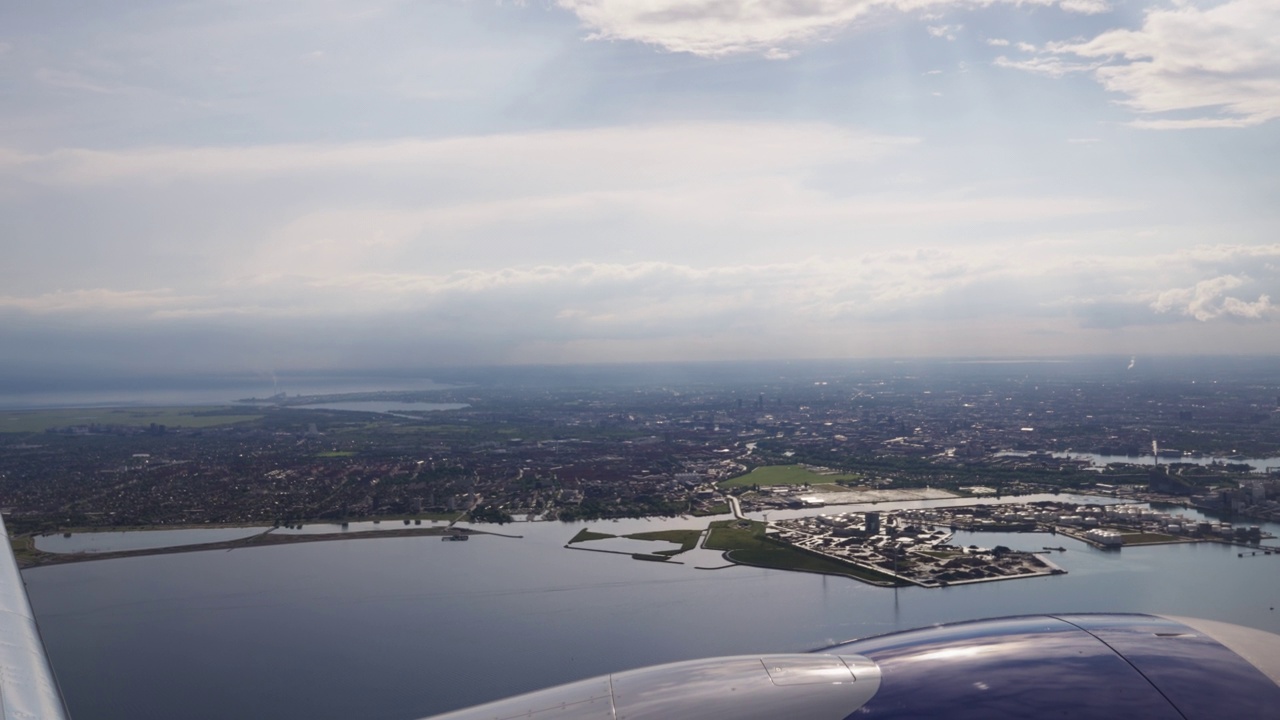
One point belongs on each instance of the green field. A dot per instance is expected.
(688, 539)
(745, 543)
(30, 421)
(1146, 538)
(785, 475)
(24, 549)
(737, 535)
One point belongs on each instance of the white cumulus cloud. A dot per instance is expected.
(1209, 300)
(1220, 65)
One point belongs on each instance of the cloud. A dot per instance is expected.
(1052, 66)
(714, 28)
(1225, 281)
(1005, 297)
(1085, 7)
(1206, 284)
(68, 80)
(217, 220)
(944, 31)
(98, 299)
(649, 151)
(1187, 66)
(867, 286)
(1243, 257)
(635, 198)
(1208, 300)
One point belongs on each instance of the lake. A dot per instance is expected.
(399, 628)
(386, 407)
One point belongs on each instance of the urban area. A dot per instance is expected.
(575, 450)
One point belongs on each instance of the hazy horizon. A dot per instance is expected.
(229, 187)
(57, 387)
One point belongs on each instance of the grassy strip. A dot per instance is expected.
(687, 539)
(785, 475)
(24, 550)
(1145, 538)
(735, 535)
(585, 535)
(746, 543)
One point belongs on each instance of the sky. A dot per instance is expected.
(269, 185)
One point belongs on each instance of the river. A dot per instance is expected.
(1260, 465)
(399, 628)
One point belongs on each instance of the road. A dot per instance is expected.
(735, 506)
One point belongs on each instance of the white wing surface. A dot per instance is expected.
(28, 690)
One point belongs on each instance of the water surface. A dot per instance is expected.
(387, 407)
(1259, 464)
(398, 628)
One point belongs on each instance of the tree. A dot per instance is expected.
(491, 514)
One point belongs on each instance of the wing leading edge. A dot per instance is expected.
(28, 690)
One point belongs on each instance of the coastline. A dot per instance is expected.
(29, 557)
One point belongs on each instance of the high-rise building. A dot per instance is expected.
(873, 523)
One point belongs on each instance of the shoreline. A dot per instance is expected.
(33, 558)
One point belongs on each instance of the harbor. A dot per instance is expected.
(916, 545)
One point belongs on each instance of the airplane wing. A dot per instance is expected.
(727, 688)
(28, 690)
(1084, 667)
